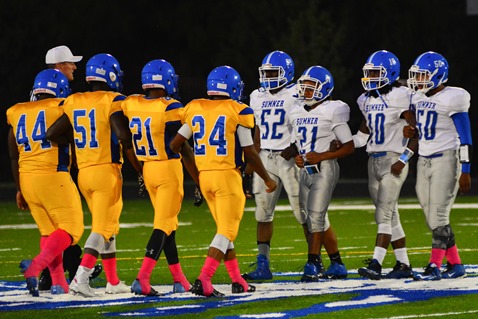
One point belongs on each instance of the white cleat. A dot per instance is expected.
(120, 288)
(81, 289)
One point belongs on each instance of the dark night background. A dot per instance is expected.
(197, 36)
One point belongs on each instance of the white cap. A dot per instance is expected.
(61, 54)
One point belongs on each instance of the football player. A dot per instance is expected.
(97, 124)
(154, 119)
(445, 149)
(385, 106)
(316, 123)
(220, 127)
(40, 170)
(272, 103)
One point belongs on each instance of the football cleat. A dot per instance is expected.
(137, 290)
(262, 271)
(45, 280)
(335, 271)
(237, 288)
(311, 273)
(57, 290)
(81, 289)
(431, 273)
(179, 288)
(453, 271)
(96, 271)
(197, 289)
(32, 286)
(372, 271)
(119, 288)
(399, 271)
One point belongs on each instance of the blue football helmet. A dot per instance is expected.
(322, 87)
(429, 71)
(105, 68)
(52, 82)
(225, 81)
(160, 74)
(282, 65)
(381, 68)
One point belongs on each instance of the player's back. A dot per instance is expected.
(30, 122)
(214, 124)
(148, 121)
(89, 114)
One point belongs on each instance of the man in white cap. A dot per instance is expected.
(62, 59)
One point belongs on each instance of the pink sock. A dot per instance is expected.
(144, 274)
(178, 276)
(110, 271)
(232, 267)
(207, 271)
(437, 256)
(88, 261)
(54, 245)
(57, 273)
(452, 255)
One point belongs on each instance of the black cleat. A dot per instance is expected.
(136, 289)
(237, 288)
(96, 271)
(197, 289)
(45, 280)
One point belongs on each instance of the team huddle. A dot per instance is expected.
(289, 136)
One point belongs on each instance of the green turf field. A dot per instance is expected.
(279, 298)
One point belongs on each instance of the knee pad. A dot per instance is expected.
(96, 242)
(220, 242)
(397, 232)
(441, 236)
(110, 246)
(384, 229)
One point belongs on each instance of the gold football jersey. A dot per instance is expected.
(214, 124)
(30, 121)
(148, 121)
(89, 114)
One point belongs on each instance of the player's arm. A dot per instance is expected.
(60, 132)
(463, 128)
(14, 155)
(342, 131)
(360, 139)
(184, 133)
(412, 144)
(119, 125)
(253, 159)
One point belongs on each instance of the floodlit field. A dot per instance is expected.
(282, 297)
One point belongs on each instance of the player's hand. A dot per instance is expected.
(397, 168)
(289, 152)
(21, 202)
(313, 158)
(247, 184)
(299, 161)
(409, 131)
(198, 198)
(271, 185)
(142, 191)
(335, 145)
(465, 183)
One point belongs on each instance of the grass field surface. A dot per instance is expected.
(282, 297)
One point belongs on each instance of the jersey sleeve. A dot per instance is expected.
(246, 116)
(459, 102)
(116, 104)
(341, 114)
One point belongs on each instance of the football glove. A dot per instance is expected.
(247, 184)
(143, 192)
(198, 198)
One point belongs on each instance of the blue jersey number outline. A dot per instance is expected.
(138, 136)
(217, 136)
(427, 131)
(80, 129)
(264, 122)
(37, 135)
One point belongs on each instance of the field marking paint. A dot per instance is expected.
(366, 294)
(443, 314)
(282, 208)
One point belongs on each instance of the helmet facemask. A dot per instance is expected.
(272, 82)
(371, 81)
(304, 85)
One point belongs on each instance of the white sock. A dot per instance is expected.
(402, 256)
(379, 254)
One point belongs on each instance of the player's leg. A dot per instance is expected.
(203, 284)
(265, 206)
